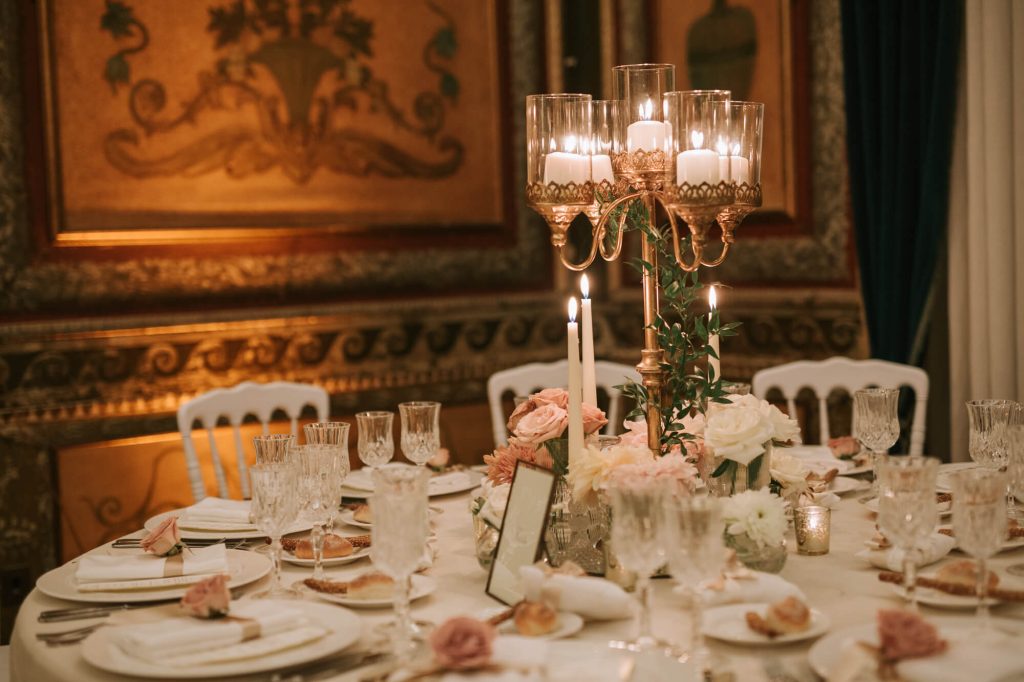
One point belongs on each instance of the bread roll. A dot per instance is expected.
(534, 619)
(964, 572)
(372, 586)
(362, 514)
(784, 617)
(334, 546)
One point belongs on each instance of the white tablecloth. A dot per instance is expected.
(844, 587)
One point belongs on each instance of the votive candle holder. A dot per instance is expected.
(813, 529)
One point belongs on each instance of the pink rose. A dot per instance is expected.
(163, 540)
(462, 643)
(593, 418)
(544, 423)
(208, 598)
(552, 396)
(844, 447)
(439, 460)
(903, 634)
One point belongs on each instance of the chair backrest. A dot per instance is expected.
(826, 375)
(259, 400)
(527, 379)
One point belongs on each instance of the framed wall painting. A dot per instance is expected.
(263, 122)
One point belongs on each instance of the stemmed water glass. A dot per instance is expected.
(876, 423)
(318, 480)
(273, 447)
(399, 508)
(638, 540)
(907, 511)
(1015, 469)
(336, 434)
(376, 443)
(421, 435)
(275, 505)
(693, 534)
(979, 522)
(987, 442)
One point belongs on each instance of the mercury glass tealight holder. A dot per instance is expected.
(746, 124)
(558, 177)
(813, 529)
(643, 161)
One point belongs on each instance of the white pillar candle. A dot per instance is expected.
(714, 364)
(697, 165)
(564, 167)
(740, 169)
(575, 389)
(589, 375)
(601, 165)
(648, 136)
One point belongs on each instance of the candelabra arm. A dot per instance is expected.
(602, 225)
(721, 257)
(585, 263)
(696, 247)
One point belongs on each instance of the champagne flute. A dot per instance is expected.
(399, 508)
(275, 505)
(693, 534)
(333, 433)
(317, 488)
(979, 522)
(907, 511)
(876, 424)
(421, 434)
(376, 442)
(638, 540)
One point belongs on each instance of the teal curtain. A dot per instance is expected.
(900, 60)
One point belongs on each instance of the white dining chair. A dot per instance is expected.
(824, 376)
(530, 378)
(236, 403)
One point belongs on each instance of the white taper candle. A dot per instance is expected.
(575, 389)
(589, 375)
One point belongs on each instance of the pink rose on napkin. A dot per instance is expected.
(165, 539)
(903, 634)
(844, 447)
(440, 459)
(593, 418)
(462, 643)
(544, 423)
(209, 598)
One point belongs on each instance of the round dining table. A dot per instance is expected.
(839, 584)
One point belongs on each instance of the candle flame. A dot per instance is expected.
(585, 286)
(646, 109)
(572, 309)
(736, 149)
(723, 147)
(713, 298)
(697, 139)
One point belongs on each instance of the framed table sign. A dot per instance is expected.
(522, 530)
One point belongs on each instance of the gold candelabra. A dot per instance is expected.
(604, 163)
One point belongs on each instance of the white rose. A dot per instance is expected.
(784, 428)
(738, 433)
(790, 472)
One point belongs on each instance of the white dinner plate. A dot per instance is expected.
(568, 624)
(729, 624)
(844, 484)
(213, 534)
(349, 516)
(359, 486)
(944, 479)
(945, 509)
(1000, 660)
(343, 626)
(421, 587)
(943, 600)
(243, 568)
(1008, 543)
(360, 553)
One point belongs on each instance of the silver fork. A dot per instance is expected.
(68, 636)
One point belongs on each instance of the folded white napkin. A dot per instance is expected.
(96, 568)
(518, 659)
(593, 598)
(215, 510)
(748, 587)
(891, 558)
(191, 641)
(818, 458)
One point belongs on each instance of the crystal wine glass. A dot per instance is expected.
(399, 508)
(876, 423)
(693, 534)
(376, 442)
(1015, 469)
(272, 447)
(638, 539)
(317, 489)
(979, 522)
(987, 441)
(907, 511)
(275, 505)
(332, 433)
(421, 434)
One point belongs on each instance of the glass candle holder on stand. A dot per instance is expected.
(605, 143)
(813, 529)
(743, 148)
(558, 173)
(643, 160)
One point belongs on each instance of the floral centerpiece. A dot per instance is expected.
(755, 527)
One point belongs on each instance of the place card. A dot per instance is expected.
(522, 530)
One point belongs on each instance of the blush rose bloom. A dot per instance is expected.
(558, 397)
(440, 459)
(593, 419)
(544, 423)
(209, 598)
(462, 643)
(164, 540)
